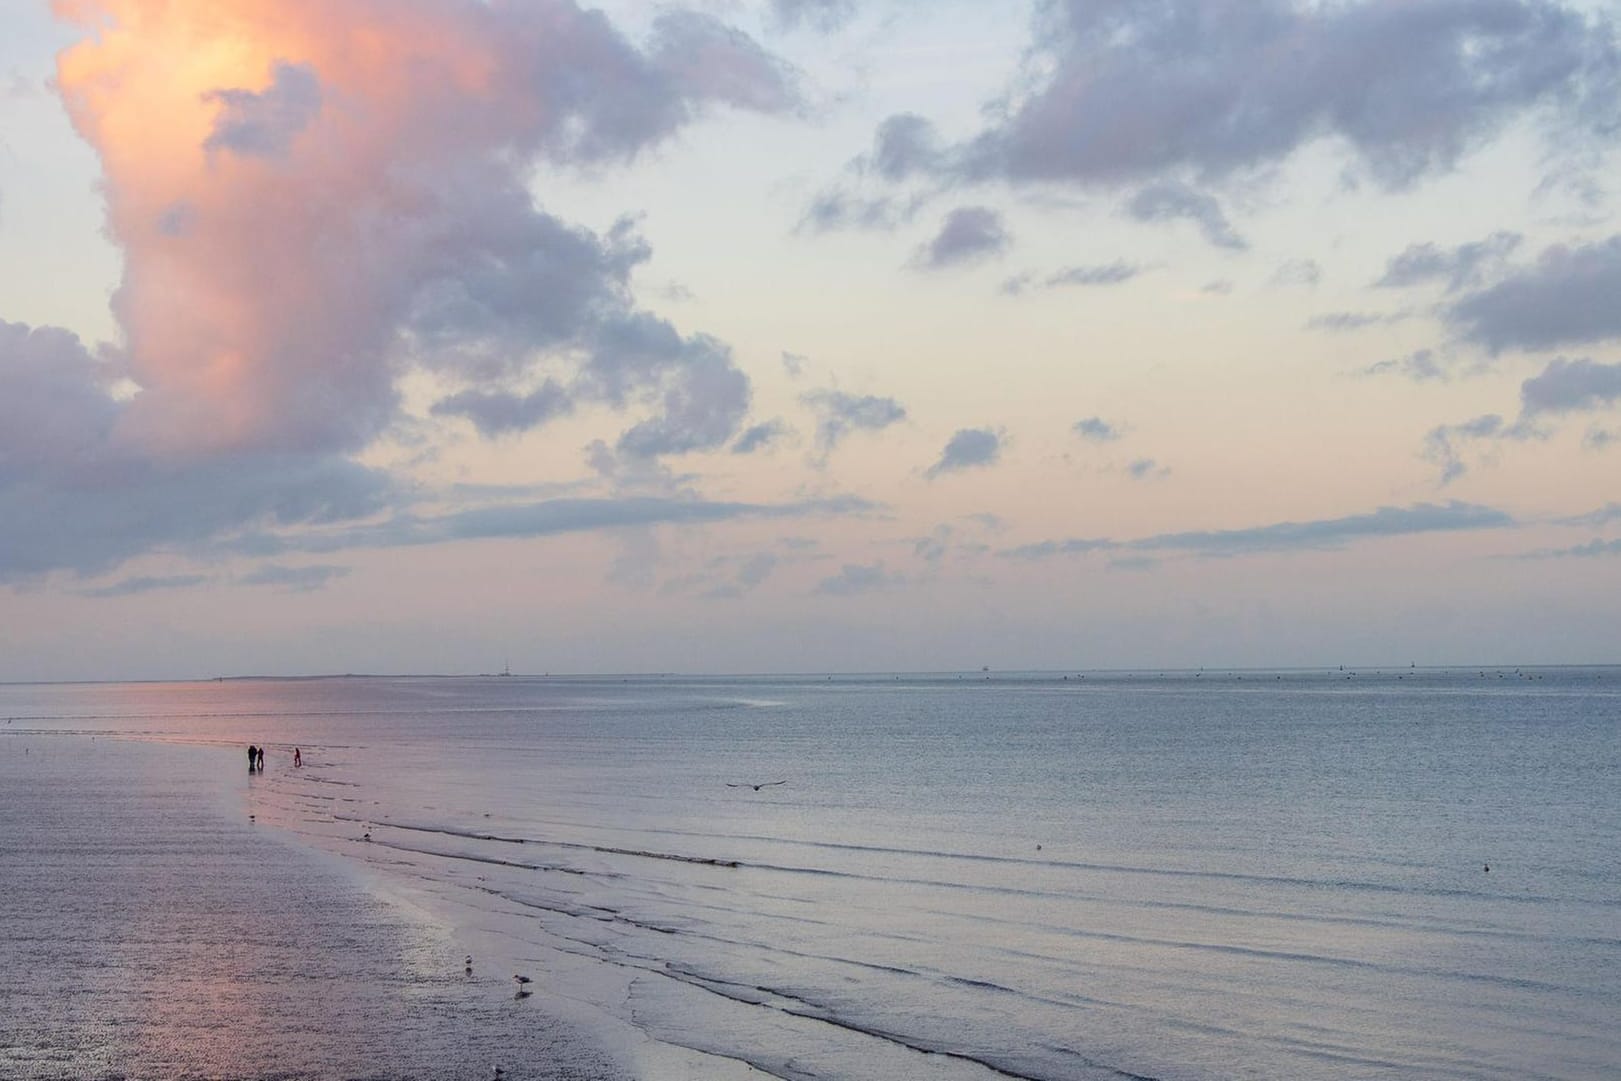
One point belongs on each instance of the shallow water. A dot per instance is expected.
(1187, 876)
(151, 931)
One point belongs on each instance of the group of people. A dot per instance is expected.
(256, 758)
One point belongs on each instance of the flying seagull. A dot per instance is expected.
(756, 787)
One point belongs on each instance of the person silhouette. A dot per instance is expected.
(261, 759)
(298, 757)
(253, 757)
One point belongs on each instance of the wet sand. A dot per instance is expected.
(148, 929)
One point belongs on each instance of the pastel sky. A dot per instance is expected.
(807, 335)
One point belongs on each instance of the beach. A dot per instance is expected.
(152, 931)
(1301, 876)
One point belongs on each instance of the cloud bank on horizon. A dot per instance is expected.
(354, 264)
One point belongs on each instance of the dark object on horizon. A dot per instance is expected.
(1488, 868)
(756, 787)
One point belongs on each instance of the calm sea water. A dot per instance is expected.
(1178, 876)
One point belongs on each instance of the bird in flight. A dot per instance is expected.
(756, 787)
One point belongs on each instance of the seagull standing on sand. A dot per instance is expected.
(468, 965)
(523, 986)
(756, 787)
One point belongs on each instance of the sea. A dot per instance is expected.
(1300, 875)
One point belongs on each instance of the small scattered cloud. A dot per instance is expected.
(839, 208)
(1610, 512)
(794, 364)
(839, 414)
(967, 235)
(760, 437)
(1114, 273)
(1172, 200)
(856, 578)
(498, 413)
(1458, 268)
(1421, 366)
(293, 579)
(824, 15)
(1567, 298)
(1097, 430)
(1567, 386)
(1146, 469)
(905, 145)
(1443, 445)
(969, 448)
(1595, 549)
(1599, 438)
(1302, 272)
(1346, 322)
(130, 587)
(1327, 534)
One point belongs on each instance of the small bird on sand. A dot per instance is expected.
(756, 787)
(468, 965)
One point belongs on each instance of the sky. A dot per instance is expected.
(806, 335)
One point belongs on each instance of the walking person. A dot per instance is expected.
(253, 757)
(298, 758)
(261, 759)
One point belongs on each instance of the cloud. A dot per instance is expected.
(839, 414)
(969, 448)
(1567, 386)
(839, 208)
(967, 235)
(1420, 366)
(1102, 274)
(1567, 298)
(74, 496)
(337, 199)
(1610, 512)
(543, 518)
(1594, 549)
(1298, 272)
(496, 413)
(1146, 469)
(1346, 322)
(1458, 267)
(1597, 438)
(760, 437)
(729, 578)
(265, 124)
(293, 579)
(856, 578)
(794, 364)
(1097, 430)
(1119, 91)
(1319, 535)
(1442, 444)
(353, 183)
(130, 587)
(1172, 200)
(820, 14)
(905, 145)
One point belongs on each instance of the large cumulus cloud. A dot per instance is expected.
(317, 198)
